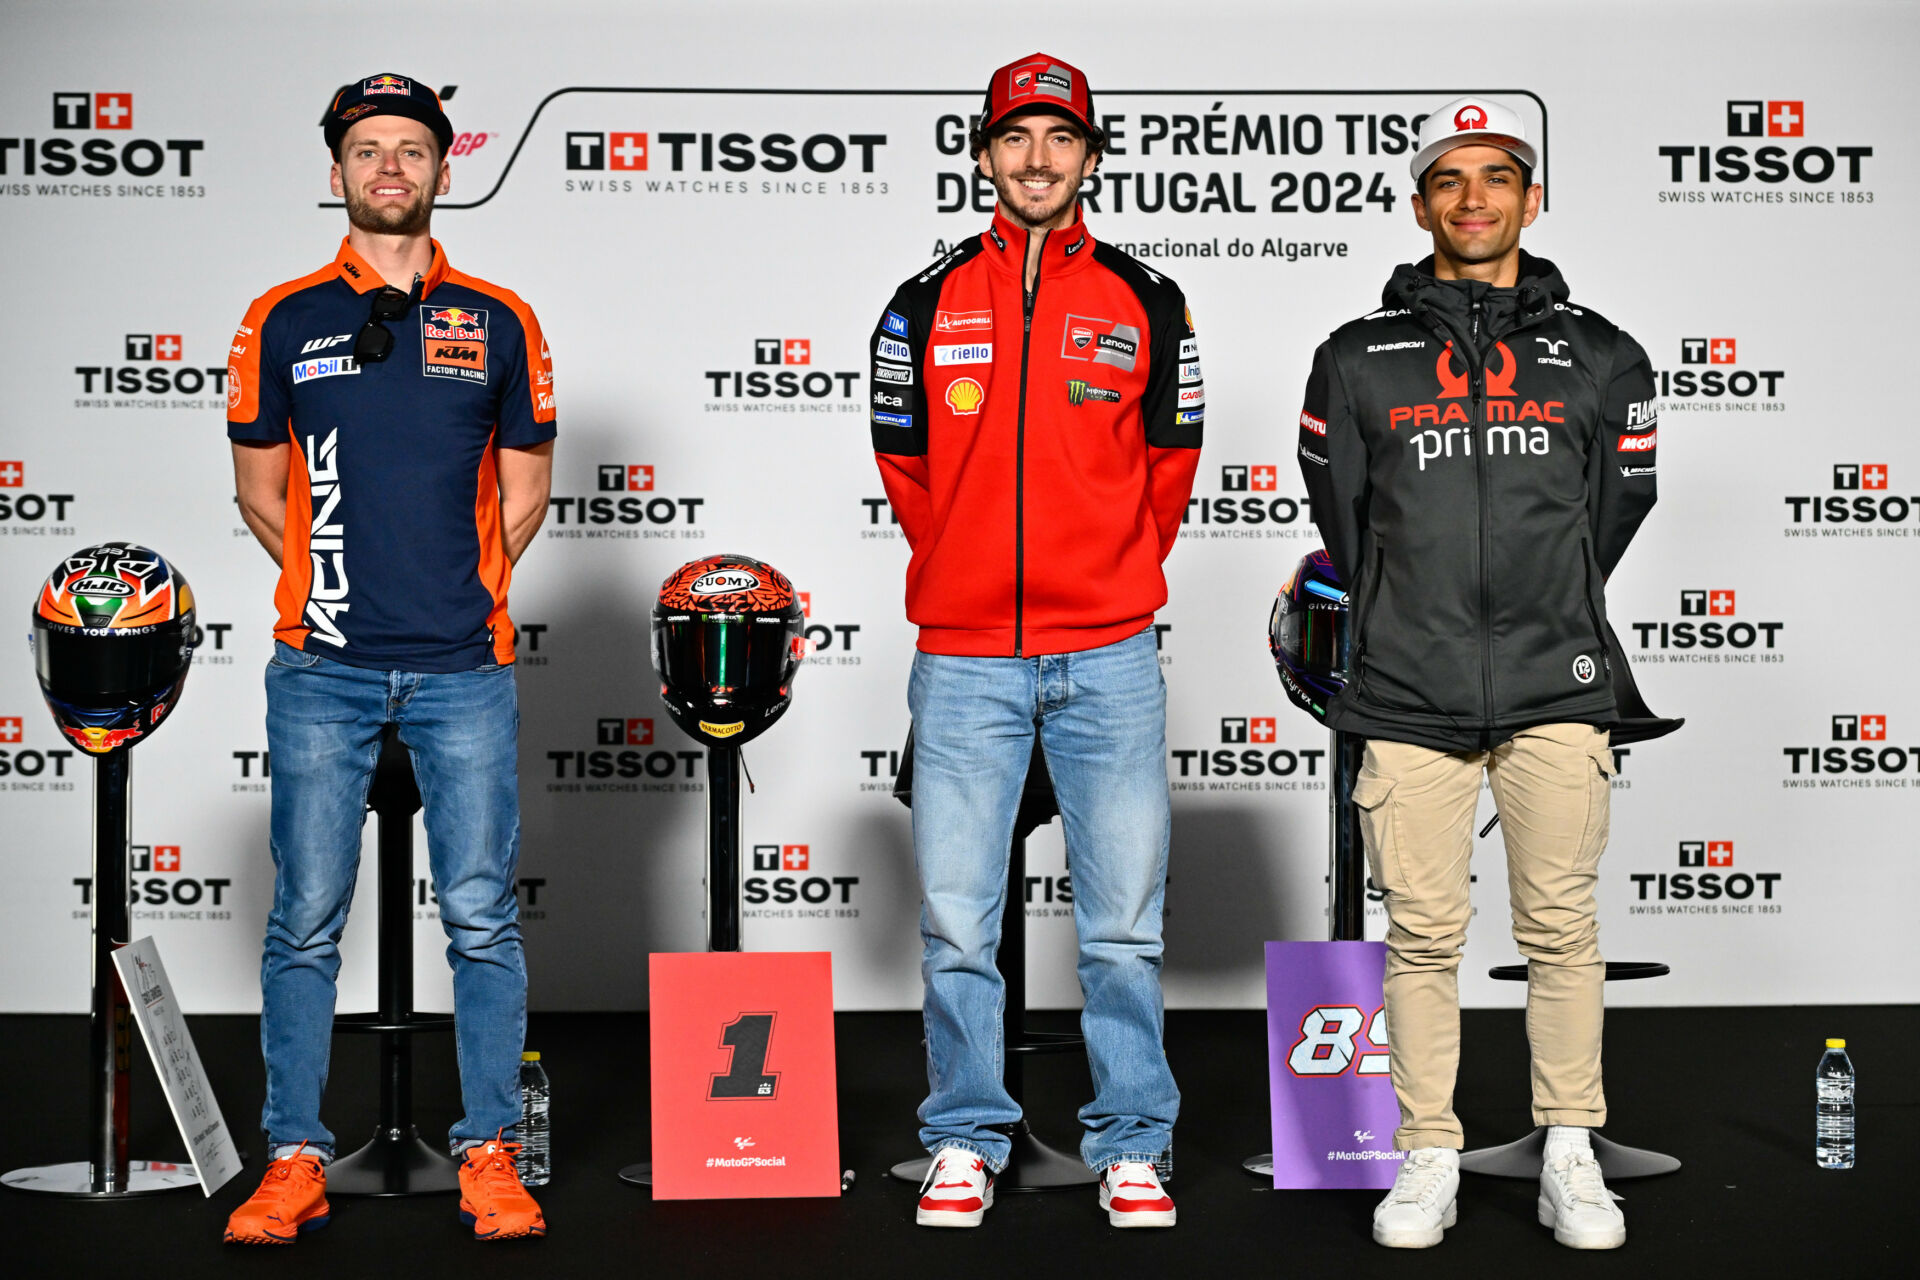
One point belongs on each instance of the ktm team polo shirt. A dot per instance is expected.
(393, 556)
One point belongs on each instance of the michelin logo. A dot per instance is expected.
(894, 419)
(1187, 417)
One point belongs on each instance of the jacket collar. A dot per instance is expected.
(1066, 249)
(1414, 286)
(355, 272)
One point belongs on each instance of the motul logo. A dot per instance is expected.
(1638, 444)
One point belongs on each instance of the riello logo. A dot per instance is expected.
(151, 364)
(159, 880)
(26, 768)
(1708, 623)
(1858, 753)
(1860, 505)
(1250, 504)
(783, 875)
(626, 497)
(110, 117)
(1247, 750)
(620, 752)
(782, 376)
(1769, 148)
(1707, 874)
(27, 508)
(1710, 376)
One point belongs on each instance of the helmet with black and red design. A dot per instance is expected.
(113, 637)
(1309, 634)
(728, 636)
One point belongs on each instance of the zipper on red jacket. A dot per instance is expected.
(1020, 451)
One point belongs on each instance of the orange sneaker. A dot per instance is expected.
(492, 1201)
(292, 1198)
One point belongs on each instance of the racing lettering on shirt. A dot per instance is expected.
(327, 543)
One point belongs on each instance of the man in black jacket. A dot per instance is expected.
(1479, 453)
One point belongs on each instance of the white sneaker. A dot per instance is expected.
(958, 1190)
(1419, 1209)
(1575, 1203)
(1133, 1197)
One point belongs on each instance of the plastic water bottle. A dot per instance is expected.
(1833, 1121)
(535, 1162)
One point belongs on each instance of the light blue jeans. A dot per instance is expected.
(1101, 716)
(323, 732)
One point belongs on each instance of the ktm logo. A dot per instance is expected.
(1501, 397)
(1469, 117)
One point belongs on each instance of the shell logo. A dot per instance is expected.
(964, 396)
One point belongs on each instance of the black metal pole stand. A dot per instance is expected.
(723, 880)
(396, 1162)
(107, 1173)
(1032, 1165)
(1346, 870)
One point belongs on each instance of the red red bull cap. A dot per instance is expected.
(1038, 82)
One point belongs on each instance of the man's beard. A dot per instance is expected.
(388, 219)
(1012, 196)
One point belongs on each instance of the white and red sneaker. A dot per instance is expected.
(1133, 1197)
(958, 1190)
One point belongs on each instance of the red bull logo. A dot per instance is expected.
(388, 84)
(455, 318)
(99, 741)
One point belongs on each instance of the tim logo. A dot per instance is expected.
(1469, 117)
(1772, 118)
(631, 732)
(618, 477)
(782, 351)
(93, 111)
(153, 346)
(1708, 351)
(1859, 728)
(1846, 475)
(1706, 853)
(1700, 604)
(158, 857)
(1239, 478)
(782, 857)
(1236, 729)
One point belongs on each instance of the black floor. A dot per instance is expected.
(1729, 1091)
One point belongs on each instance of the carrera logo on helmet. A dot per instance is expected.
(1469, 117)
(724, 582)
(99, 586)
(1638, 443)
(721, 730)
(962, 321)
(964, 396)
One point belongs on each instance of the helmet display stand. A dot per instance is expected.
(1032, 1165)
(112, 642)
(396, 1162)
(107, 1173)
(728, 637)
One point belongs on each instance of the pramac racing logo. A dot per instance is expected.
(1505, 411)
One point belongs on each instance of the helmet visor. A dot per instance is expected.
(723, 656)
(82, 667)
(1315, 640)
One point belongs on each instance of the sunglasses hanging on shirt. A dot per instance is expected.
(375, 340)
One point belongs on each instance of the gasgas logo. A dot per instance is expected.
(1506, 412)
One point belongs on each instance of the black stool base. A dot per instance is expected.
(395, 1163)
(1032, 1165)
(638, 1175)
(75, 1180)
(1522, 1159)
(1260, 1166)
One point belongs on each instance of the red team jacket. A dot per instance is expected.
(1038, 448)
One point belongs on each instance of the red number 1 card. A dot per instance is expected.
(744, 1096)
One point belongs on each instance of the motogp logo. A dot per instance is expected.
(1469, 117)
(724, 582)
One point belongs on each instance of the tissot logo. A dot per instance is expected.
(110, 113)
(528, 639)
(610, 517)
(181, 897)
(1247, 751)
(829, 644)
(1269, 517)
(614, 765)
(1722, 385)
(1707, 883)
(1726, 169)
(789, 390)
(27, 512)
(1866, 758)
(26, 768)
(1715, 641)
(630, 732)
(677, 152)
(1246, 729)
(882, 522)
(878, 769)
(790, 892)
(1860, 497)
(153, 368)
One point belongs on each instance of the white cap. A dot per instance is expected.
(1471, 122)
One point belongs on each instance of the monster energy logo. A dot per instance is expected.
(1078, 392)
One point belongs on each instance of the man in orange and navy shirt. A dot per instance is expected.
(392, 425)
(1037, 409)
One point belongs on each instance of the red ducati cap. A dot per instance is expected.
(1038, 82)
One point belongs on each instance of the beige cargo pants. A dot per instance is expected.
(1417, 812)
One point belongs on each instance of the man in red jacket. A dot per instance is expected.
(1037, 408)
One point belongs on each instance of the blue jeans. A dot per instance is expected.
(323, 732)
(1101, 717)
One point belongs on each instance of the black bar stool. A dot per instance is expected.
(1032, 1165)
(396, 1162)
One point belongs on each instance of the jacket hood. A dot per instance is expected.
(1414, 287)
